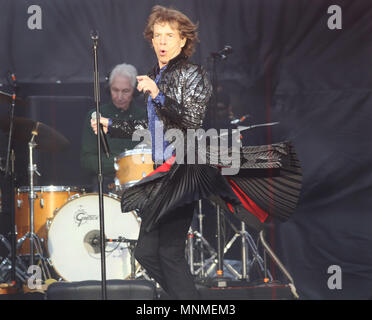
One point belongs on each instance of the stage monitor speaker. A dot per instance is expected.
(91, 290)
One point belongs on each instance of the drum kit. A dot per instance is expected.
(57, 227)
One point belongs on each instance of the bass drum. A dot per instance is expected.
(73, 239)
(48, 200)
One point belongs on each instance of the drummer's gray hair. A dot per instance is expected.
(124, 70)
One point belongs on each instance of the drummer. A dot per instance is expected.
(122, 82)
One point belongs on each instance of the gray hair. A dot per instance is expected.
(124, 70)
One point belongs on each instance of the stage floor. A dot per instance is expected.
(237, 290)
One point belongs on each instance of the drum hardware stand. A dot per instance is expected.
(247, 243)
(131, 246)
(10, 173)
(211, 261)
(214, 260)
(278, 263)
(201, 244)
(31, 169)
(95, 37)
(35, 242)
(220, 280)
(6, 264)
(196, 238)
(190, 248)
(43, 261)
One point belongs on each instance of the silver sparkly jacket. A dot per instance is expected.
(187, 90)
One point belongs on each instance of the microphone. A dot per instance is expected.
(223, 52)
(94, 35)
(240, 120)
(103, 136)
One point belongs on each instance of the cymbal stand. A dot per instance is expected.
(220, 280)
(196, 238)
(9, 173)
(32, 196)
(201, 245)
(35, 242)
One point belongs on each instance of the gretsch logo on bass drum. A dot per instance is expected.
(81, 216)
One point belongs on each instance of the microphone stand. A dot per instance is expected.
(131, 246)
(220, 280)
(94, 37)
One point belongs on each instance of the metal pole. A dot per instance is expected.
(200, 216)
(31, 196)
(12, 222)
(9, 172)
(94, 37)
(244, 252)
(190, 244)
(219, 244)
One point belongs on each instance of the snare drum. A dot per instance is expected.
(73, 239)
(48, 199)
(131, 166)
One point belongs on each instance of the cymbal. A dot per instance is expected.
(6, 98)
(47, 138)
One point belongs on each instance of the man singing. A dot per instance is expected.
(177, 93)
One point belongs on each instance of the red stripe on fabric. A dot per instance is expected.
(230, 207)
(164, 167)
(248, 203)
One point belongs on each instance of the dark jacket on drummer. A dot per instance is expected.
(123, 106)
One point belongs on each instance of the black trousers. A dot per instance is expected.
(162, 253)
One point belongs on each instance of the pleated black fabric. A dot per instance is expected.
(270, 176)
(275, 191)
(159, 194)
